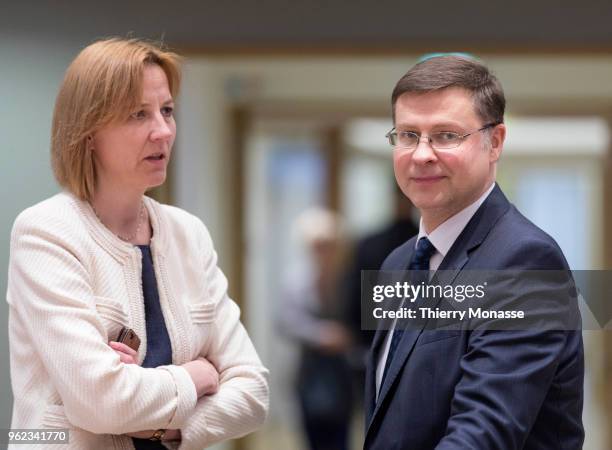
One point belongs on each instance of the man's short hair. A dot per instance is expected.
(441, 72)
(103, 85)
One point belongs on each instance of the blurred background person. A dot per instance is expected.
(313, 315)
(369, 253)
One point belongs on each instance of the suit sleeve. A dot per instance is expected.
(506, 375)
(49, 291)
(241, 404)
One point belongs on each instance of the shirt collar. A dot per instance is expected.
(444, 236)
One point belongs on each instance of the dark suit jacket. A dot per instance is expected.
(481, 389)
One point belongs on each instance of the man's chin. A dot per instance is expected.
(426, 201)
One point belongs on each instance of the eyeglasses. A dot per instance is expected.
(442, 140)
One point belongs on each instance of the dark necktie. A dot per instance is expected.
(420, 261)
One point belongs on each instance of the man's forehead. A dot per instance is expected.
(447, 106)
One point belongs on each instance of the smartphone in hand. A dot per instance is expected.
(129, 337)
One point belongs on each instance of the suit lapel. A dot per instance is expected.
(370, 386)
(377, 343)
(475, 232)
(370, 381)
(409, 339)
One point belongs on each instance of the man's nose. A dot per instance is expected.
(423, 152)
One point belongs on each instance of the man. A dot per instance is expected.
(479, 389)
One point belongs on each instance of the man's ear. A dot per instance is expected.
(497, 138)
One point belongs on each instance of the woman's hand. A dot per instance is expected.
(204, 376)
(126, 354)
(169, 435)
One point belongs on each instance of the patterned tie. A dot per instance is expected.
(419, 261)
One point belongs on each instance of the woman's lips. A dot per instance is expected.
(156, 156)
(158, 161)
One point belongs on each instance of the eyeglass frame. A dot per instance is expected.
(462, 137)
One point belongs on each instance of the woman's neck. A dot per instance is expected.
(124, 214)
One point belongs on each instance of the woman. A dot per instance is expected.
(101, 256)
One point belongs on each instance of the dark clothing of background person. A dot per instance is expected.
(323, 375)
(370, 253)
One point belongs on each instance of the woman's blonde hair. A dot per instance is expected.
(101, 86)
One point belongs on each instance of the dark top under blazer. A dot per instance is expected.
(481, 389)
(159, 348)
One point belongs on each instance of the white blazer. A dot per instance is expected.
(72, 286)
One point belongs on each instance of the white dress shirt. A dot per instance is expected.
(442, 238)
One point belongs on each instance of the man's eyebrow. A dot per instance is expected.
(437, 126)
